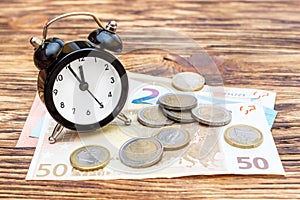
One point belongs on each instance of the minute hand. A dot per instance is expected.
(74, 74)
(101, 105)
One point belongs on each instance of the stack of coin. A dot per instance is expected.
(177, 107)
(212, 115)
(184, 116)
(152, 116)
(178, 102)
(182, 108)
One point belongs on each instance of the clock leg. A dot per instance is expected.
(124, 118)
(56, 131)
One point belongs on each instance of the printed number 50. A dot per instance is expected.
(58, 170)
(257, 162)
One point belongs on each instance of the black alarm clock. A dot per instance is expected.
(83, 86)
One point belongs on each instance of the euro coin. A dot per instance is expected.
(141, 152)
(188, 81)
(177, 101)
(90, 157)
(184, 116)
(152, 116)
(243, 136)
(212, 115)
(172, 138)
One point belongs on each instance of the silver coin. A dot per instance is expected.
(141, 152)
(90, 157)
(184, 116)
(152, 116)
(188, 81)
(212, 115)
(177, 101)
(172, 138)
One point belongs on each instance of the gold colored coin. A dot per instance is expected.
(188, 81)
(184, 116)
(177, 101)
(212, 115)
(141, 152)
(152, 116)
(243, 136)
(90, 158)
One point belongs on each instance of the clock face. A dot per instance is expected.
(87, 92)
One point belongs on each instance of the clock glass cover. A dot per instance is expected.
(87, 91)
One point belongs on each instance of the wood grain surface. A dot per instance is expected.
(256, 44)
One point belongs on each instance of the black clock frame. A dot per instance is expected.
(72, 51)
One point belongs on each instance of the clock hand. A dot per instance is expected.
(83, 84)
(74, 74)
(101, 105)
(81, 74)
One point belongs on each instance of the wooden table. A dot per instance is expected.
(257, 41)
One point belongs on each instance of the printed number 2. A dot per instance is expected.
(142, 100)
(258, 163)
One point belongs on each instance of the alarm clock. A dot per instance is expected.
(83, 86)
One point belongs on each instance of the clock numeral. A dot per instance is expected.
(109, 94)
(88, 112)
(81, 59)
(101, 105)
(106, 67)
(112, 79)
(62, 104)
(55, 91)
(73, 110)
(59, 77)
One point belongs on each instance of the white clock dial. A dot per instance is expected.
(87, 90)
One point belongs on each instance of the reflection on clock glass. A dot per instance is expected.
(87, 90)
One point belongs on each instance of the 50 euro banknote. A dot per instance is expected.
(206, 153)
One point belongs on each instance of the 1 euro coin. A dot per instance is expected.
(172, 138)
(243, 136)
(90, 158)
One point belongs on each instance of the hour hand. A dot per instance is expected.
(81, 74)
(83, 84)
